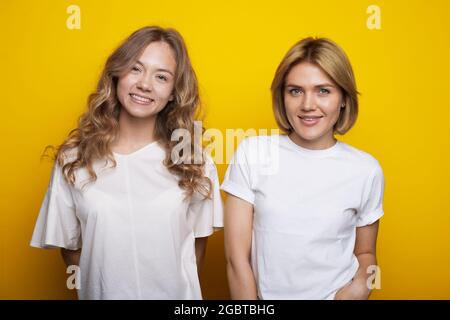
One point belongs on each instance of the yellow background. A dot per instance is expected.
(402, 72)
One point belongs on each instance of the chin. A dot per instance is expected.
(308, 135)
(139, 114)
(141, 111)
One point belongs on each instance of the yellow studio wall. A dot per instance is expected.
(402, 71)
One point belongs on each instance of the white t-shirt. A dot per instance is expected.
(136, 232)
(307, 205)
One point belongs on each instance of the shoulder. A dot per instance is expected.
(360, 158)
(62, 158)
(257, 152)
(67, 156)
(260, 143)
(80, 175)
(260, 140)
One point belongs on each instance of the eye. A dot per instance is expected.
(136, 69)
(295, 91)
(161, 77)
(324, 91)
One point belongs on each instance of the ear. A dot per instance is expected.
(171, 97)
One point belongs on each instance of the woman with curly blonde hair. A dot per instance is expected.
(133, 217)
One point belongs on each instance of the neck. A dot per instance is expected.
(134, 132)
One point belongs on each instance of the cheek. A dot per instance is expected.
(333, 116)
(123, 88)
(331, 107)
(164, 91)
(290, 106)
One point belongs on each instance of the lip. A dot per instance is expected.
(140, 99)
(310, 120)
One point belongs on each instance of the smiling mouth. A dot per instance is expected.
(310, 120)
(141, 99)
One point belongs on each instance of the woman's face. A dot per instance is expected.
(147, 88)
(313, 103)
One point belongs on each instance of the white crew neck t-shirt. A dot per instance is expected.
(136, 231)
(307, 206)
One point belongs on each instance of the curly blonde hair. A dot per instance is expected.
(98, 126)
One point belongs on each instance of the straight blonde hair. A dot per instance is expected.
(334, 62)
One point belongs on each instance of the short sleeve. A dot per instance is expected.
(57, 224)
(372, 202)
(237, 181)
(206, 215)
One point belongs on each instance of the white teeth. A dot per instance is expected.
(139, 98)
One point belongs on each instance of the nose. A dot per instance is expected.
(144, 84)
(308, 103)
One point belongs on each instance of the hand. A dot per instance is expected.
(355, 290)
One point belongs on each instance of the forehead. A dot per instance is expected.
(158, 55)
(307, 74)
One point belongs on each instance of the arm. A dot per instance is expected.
(365, 251)
(71, 257)
(200, 250)
(238, 223)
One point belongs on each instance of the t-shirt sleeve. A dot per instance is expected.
(372, 203)
(57, 224)
(237, 181)
(206, 215)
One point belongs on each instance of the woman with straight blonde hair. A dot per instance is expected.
(129, 214)
(301, 216)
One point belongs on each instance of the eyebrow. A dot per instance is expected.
(326, 84)
(159, 69)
